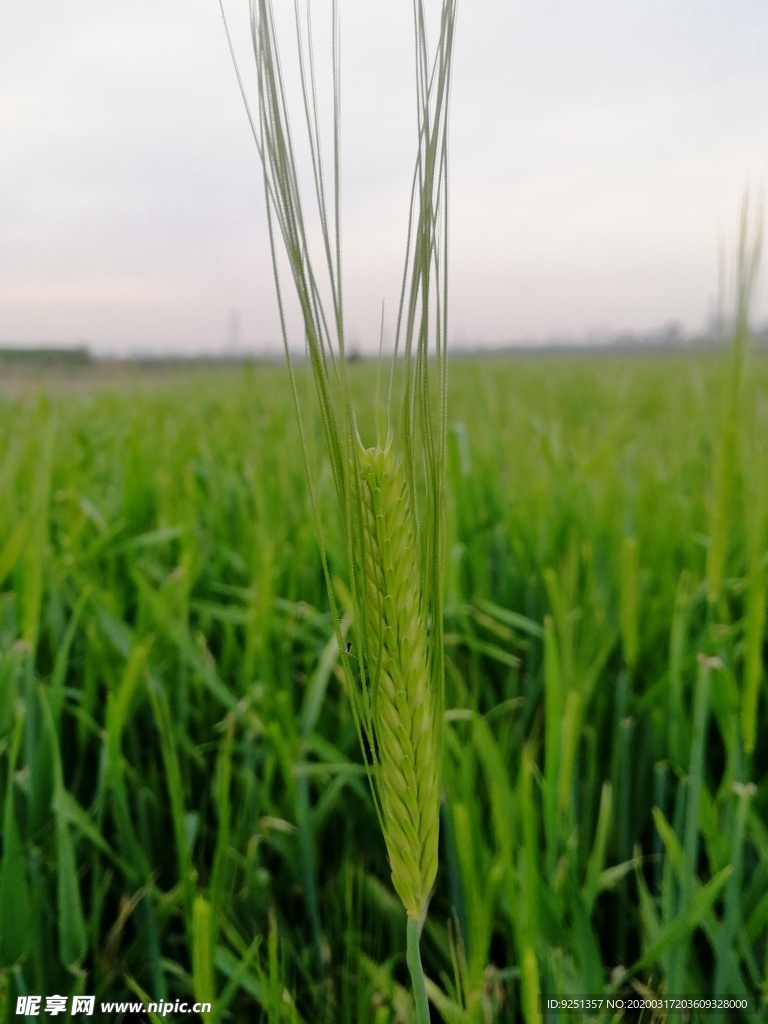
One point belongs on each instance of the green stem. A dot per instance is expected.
(417, 973)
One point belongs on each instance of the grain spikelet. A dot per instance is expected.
(403, 706)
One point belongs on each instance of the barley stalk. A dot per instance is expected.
(396, 569)
(729, 442)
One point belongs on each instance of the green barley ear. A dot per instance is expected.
(395, 549)
(403, 709)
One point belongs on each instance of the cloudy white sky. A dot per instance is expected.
(599, 152)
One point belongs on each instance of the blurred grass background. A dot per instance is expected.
(183, 805)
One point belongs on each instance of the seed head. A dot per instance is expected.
(403, 705)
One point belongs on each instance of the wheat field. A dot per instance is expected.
(185, 808)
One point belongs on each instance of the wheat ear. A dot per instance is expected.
(403, 707)
(397, 691)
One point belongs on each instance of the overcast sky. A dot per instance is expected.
(599, 153)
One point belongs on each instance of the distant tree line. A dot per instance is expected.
(45, 356)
